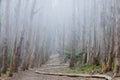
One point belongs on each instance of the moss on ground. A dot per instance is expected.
(82, 69)
(5, 74)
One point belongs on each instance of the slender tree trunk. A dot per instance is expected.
(5, 48)
(32, 13)
(111, 49)
(12, 58)
(18, 54)
(73, 40)
(0, 36)
(117, 38)
(26, 56)
(4, 61)
(103, 40)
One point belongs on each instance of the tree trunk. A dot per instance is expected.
(5, 48)
(0, 36)
(12, 58)
(103, 40)
(18, 53)
(73, 39)
(117, 38)
(16, 62)
(111, 51)
(4, 61)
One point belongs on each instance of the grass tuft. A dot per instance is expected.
(83, 69)
(5, 74)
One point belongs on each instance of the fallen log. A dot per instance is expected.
(75, 75)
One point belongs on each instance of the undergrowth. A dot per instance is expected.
(5, 74)
(83, 69)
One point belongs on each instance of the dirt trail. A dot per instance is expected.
(51, 65)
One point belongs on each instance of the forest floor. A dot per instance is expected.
(51, 66)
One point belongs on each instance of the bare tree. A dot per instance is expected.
(12, 58)
(17, 11)
(73, 38)
(112, 38)
(5, 48)
(117, 38)
(18, 53)
(0, 33)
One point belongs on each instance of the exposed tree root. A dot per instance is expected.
(75, 75)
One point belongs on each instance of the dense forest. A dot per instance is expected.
(80, 31)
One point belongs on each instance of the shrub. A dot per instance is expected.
(78, 55)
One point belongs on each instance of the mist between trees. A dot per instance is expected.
(32, 30)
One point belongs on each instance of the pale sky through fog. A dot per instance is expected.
(55, 3)
(53, 16)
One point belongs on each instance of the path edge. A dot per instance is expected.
(75, 75)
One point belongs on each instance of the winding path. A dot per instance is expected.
(50, 66)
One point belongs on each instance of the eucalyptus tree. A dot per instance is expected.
(16, 55)
(0, 31)
(0, 16)
(12, 58)
(25, 43)
(111, 35)
(73, 38)
(33, 12)
(5, 45)
(117, 37)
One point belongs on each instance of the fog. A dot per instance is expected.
(55, 24)
(51, 19)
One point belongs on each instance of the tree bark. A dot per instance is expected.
(5, 48)
(12, 58)
(117, 38)
(18, 53)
